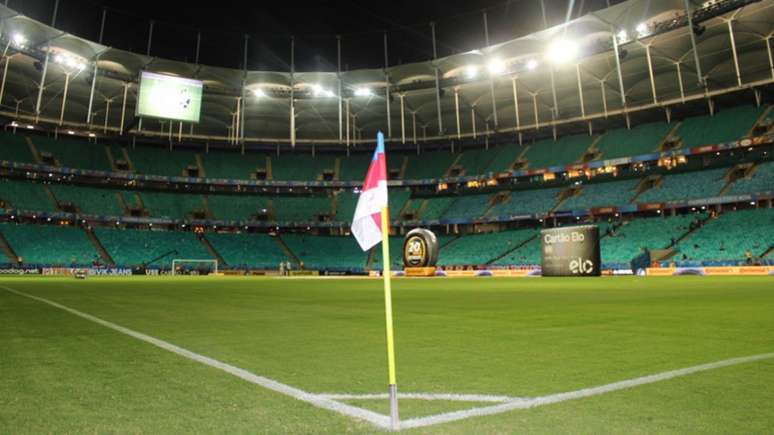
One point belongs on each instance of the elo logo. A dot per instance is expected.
(581, 266)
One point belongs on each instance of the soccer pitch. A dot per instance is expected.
(513, 343)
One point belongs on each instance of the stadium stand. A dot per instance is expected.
(301, 208)
(55, 245)
(728, 236)
(224, 164)
(538, 201)
(726, 126)
(172, 205)
(237, 207)
(432, 164)
(565, 151)
(479, 249)
(525, 254)
(245, 250)
(610, 193)
(475, 161)
(761, 180)
(434, 208)
(468, 206)
(73, 153)
(326, 252)
(621, 245)
(641, 139)
(14, 148)
(130, 247)
(301, 166)
(354, 167)
(504, 157)
(25, 195)
(686, 185)
(87, 200)
(158, 161)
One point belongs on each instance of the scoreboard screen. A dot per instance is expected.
(166, 97)
(570, 251)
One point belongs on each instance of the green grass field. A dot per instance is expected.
(60, 373)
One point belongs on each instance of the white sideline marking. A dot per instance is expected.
(423, 396)
(379, 420)
(328, 401)
(578, 394)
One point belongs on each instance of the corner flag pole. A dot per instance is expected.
(393, 387)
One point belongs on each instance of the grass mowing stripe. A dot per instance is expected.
(298, 394)
(578, 394)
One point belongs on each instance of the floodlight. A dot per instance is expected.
(92, 135)
(19, 39)
(562, 51)
(59, 58)
(532, 64)
(471, 71)
(363, 92)
(30, 127)
(496, 66)
(642, 30)
(622, 36)
(259, 93)
(70, 132)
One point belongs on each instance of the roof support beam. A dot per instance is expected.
(580, 90)
(457, 111)
(338, 79)
(42, 84)
(402, 120)
(64, 97)
(733, 52)
(650, 74)
(150, 37)
(437, 81)
(689, 14)
(617, 55)
(387, 89)
(768, 51)
(680, 82)
(516, 106)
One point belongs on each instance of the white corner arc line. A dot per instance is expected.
(578, 394)
(377, 419)
(422, 396)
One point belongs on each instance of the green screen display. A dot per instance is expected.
(168, 97)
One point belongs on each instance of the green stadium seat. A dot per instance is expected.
(468, 206)
(538, 201)
(88, 200)
(641, 139)
(728, 236)
(686, 185)
(159, 161)
(52, 245)
(247, 250)
(299, 166)
(130, 247)
(232, 165)
(479, 249)
(172, 205)
(727, 125)
(25, 195)
(300, 208)
(326, 252)
(629, 240)
(74, 153)
(14, 148)
(237, 207)
(432, 164)
(608, 193)
(762, 180)
(565, 151)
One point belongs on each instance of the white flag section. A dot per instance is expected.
(366, 225)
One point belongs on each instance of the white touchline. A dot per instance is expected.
(329, 400)
(377, 419)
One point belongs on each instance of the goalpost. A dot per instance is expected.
(183, 261)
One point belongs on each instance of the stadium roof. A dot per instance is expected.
(653, 28)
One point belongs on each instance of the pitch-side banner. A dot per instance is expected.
(570, 251)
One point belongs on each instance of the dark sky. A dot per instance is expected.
(314, 24)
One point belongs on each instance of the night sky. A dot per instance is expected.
(315, 24)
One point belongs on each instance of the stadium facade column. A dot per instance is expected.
(617, 55)
(473, 119)
(387, 89)
(414, 122)
(689, 15)
(680, 82)
(733, 51)
(534, 107)
(555, 109)
(102, 25)
(347, 104)
(54, 13)
(668, 114)
(244, 99)
(107, 114)
(650, 73)
(491, 75)
(150, 37)
(768, 52)
(516, 107)
(42, 85)
(198, 46)
(338, 79)
(437, 80)
(402, 119)
(64, 97)
(292, 91)
(123, 106)
(457, 111)
(91, 96)
(580, 90)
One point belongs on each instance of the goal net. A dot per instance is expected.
(181, 266)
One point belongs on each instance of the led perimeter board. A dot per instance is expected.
(168, 97)
(570, 251)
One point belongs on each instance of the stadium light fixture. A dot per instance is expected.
(319, 91)
(471, 71)
(642, 30)
(532, 64)
(70, 132)
(259, 93)
(19, 39)
(496, 66)
(363, 92)
(562, 51)
(30, 127)
(622, 36)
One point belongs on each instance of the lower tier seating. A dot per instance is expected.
(326, 252)
(54, 245)
(730, 235)
(247, 250)
(628, 241)
(479, 249)
(130, 247)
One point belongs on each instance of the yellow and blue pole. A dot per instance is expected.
(393, 386)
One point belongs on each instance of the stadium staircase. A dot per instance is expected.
(110, 159)
(128, 160)
(211, 250)
(646, 184)
(8, 251)
(760, 121)
(103, 253)
(286, 250)
(767, 252)
(455, 165)
(200, 165)
(50, 196)
(663, 145)
(513, 249)
(33, 150)
(206, 207)
(742, 170)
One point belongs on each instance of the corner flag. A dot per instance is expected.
(371, 225)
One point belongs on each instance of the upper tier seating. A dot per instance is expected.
(172, 205)
(642, 139)
(13, 147)
(354, 167)
(727, 125)
(54, 245)
(326, 252)
(610, 193)
(686, 185)
(88, 200)
(298, 166)
(436, 207)
(74, 153)
(762, 180)
(728, 236)
(237, 207)
(160, 161)
(627, 241)
(25, 195)
(300, 208)
(246, 250)
(475, 161)
(129, 247)
(565, 151)
(468, 206)
(233, 165)
(478, 249)
(433, 164)
(504, 156)
(538, 201)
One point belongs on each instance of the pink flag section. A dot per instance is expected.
(367, 223)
